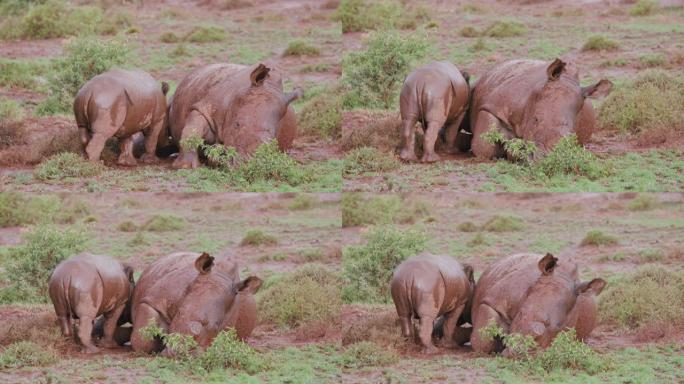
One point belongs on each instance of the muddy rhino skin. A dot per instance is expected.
(426, 287)
(87, 286)
(120, 103)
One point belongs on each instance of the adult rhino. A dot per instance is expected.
(193, 294)
(234, 105)
(532, 100)
(535, 295)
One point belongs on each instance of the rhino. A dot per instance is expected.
(536, 295)
(532, 100)
(437, 95)
(87, 286)
(121, 103)
(428, 287)
(234, 105)
(193, 294)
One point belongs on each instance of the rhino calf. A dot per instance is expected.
(85, 287)
(427, 287)
(120, 103)
(436, 95)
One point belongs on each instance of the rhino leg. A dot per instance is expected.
(126, 157)
(429, 139)
(408, 132)
(450, 325)
(451, 134)
(484, 316)
(196, 126)
(481, 148)
(85, 329)
(427, 312)
(110, 323)
(145, 315)
(151, 137)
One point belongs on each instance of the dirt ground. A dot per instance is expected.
(554, 29)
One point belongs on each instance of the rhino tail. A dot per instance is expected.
(165, 87)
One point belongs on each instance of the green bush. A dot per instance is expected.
(54, 18)
(643, 202)
(163, 223)
(269, 163)
(303, 202)
(16, 7)
(361, 15)
(368, 159)
(566, 352)
(568, 157)
(66, 165)
(31, 263)
(21, 73)
(643, 8)
(257, 237)
(374, 76)
(384, 209)
(10, 110)
(17, 209)
(469, 32)
(322, 115)
(169, 37)
(505, 29)
(27, 354)
(596, 237)
(310, 294)
(367, 354)
(127, 226)
(83, 59)
(600, 43)
(646, 297)
(205, 34)
(301, 48)
(651, 101)
(500, 223)
(368, 268)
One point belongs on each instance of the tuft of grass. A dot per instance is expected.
(169, 38)
(362, 15)
(568, 157)
(53, 18)
(468, 226)
(649, 102)
(500, 223)
(643, 298)
(257, 237)
(367, 354)
(505, 29)
(163, 223)
(269, 163)
(22, 73)
(303, 202)
(368, 267)
(66, 165)
(368, 159)
(469, 32)
(600, 43)
(127, 226)
(322, 115)
(206, 34)
(301, 48)
(597, 238)
(18, 210)
(652, 60)
(10, 110)
(31, 263)
(643, 202)
(83, 59)
(477, 240)
(643, 8)
(374, 76)
(310, 294)
(27, 354)
(385, 209)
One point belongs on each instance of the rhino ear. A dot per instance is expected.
(292, 96)
(165, 87)
(555, 69)
(547, 264)
(259, 75)
(204, 263)
(466, 76)
(595, 286)
(249, 285)
(600, 89)
(469, 272)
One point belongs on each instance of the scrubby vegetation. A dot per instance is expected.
(643, 202)
(374, 76)
(206, 34)
(301, 48)
(309, 295)
(10, 110)
(368, 267)
(27, 354)
(21, 73)
(357, 209)
(505, 29)
(500, 223)
(163, 223)
(258, 237)
(643, 8)
(66, 165)
(368, 159)
(17, 210)
(303, 202)
(321, 115)
(367, 354)
(596, 237)
(363, 15)
(600, 43)
(52, 18)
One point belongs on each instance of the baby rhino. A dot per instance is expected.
(87, 286)
(436, 95)
(119, 104)
(426, 287)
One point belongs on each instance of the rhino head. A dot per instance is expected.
(554, 105)
(210, 300)
(255, 114)
(557, 300)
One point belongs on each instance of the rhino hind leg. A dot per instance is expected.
(451, 135)
(429, 140)
(449, 329)
(486, 315)
(151, 138)
(110, 322)
(126, 157)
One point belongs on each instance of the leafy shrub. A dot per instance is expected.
(163, 223)
(596, 237)
(500, 223)
(17, 209)
(206, 34)
(505, 29)
(302, 202)
(643, 8)
(54, 18)
(360, 15)
(21, 73)
(568, 157)
(368, 159)
(322, 115)
(468, 226)
(367, 354)
(375, 75)
(65, 165)
(469, 32)
(642, 202)
(83, 59)
(651, 101)
(269, 163)
(227, 351)
(10, 110)
(368, 267)
(27, 354)
(654, 60)
(169, 37)
(301, 48)
(127, 226)
(257, 237)
(311, 293)
(600, 43)
(644, 297)
(385, 209)
(31, 263)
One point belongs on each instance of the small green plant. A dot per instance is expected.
(568, 157)
(54, 18)
(183, 346)
(269, 163)
(367, 354)
(643, 8)
(362, 15)
(478, 240)
(374, 75)
(505, 29)
(191, 143)
(22, 73)
(652, 60)
(501, 223)
(302, 202)
(368, 159)
(227, 351)
(468, 226)
(66, 165)
(368, 267)
(10, 110)
(566, 352)
(310, 294)
(138, 240)
(163, 223)
(27, 354)
(519, 346)
(258, 237)
(520, 150)
(206, 34)
(301, 48)
(169, 38)
(643, 202)
(220, 156)
(597, 238)
(469, 32)
(600, 43)
(322, 115)
(386, 209)
(127, 226)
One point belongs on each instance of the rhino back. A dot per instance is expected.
(434, 91)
